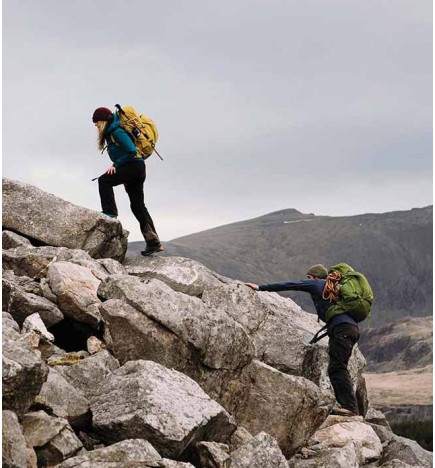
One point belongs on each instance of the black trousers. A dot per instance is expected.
(342, 339)
(132, 175)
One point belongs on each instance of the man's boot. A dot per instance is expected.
(155, 247)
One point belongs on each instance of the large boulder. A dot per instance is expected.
(21, 304)
(53, 221)
(338, 439)
(131, 452)
(143, 399)
(262, 451)
(87, 374)
(221, 342)
(181, 274)
(407, 451)
(261, 398)
(23, 371)
(60, 398)
(52, 438)
(15, 452)
(76, 288)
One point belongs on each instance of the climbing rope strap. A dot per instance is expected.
(332, 287)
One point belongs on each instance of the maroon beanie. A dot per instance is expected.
(102, 114)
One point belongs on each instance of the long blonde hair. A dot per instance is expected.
(102, 125)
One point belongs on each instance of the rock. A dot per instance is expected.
(60, 398)
(262, 451)
(28, 285)
(31, 262)
(131, 452)
(53, 221)
(94, 345)
(51, 437)
(23, 371)
(34, 324)
(10, 240)
(384, 433)
(180, 274)
(212, 454)
(131, 335)
(112, 266)
(143, 399)
(86, 374)
(344, 457)
(240, 437)
(220, 340)
(281, 332)
(407, 451)
(21, 304)
(15, 453)
(289, 408)
(337, 437)
(76, 290)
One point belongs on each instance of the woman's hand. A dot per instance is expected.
(111, 170)
(253, 286)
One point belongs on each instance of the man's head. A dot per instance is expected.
(317, 271)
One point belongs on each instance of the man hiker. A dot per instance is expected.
(342, 329)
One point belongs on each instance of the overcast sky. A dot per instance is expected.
(320, 105)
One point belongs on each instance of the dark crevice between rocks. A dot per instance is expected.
(72, 336)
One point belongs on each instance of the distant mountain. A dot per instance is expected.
(394, 250)
(403, 345)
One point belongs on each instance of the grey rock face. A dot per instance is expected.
(21, 304)
(76, 290)
(23, 371)
(143, 399)
(212, 454)
(289, 408)
(344, 457)
(181, 274)
(240, 437)
(10, 240)
(262, 451)
(53, 221)
(60, 398)
(87, 374)
(128, 453)
(32, 262)
(132, 335)
(222, 342)
(407, 451)
(51, 437)
(15, 453)
(34, 324)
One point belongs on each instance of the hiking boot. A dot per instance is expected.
(151, 249)
(109, 215)
(339, 411)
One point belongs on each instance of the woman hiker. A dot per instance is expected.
(343, 332)
(127, 170)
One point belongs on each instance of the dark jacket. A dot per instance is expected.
(315, 288)
(120, 146)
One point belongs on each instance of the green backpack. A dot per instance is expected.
(355, 297)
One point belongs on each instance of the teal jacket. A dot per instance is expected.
(120, 146)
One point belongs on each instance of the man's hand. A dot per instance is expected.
(111, 170)
(253, 286)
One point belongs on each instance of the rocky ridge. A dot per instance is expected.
(182, 367)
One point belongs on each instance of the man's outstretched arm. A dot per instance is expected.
(306, 285)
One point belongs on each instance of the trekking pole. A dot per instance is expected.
(121, 110)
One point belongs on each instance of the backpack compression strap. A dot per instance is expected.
(317, 337)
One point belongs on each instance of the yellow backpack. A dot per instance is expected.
(141, 128)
